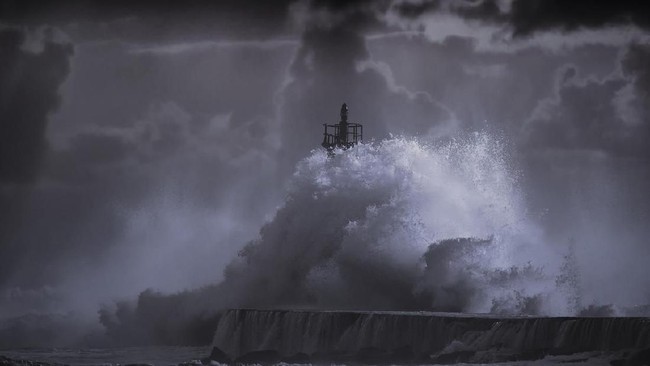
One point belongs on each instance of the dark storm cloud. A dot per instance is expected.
(486, 10)
(37, 11)
(151, 20)
(29, 85)
(529, 16)
(536, 15)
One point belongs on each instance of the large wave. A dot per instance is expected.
(401, 225)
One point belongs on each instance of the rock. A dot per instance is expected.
(218, 355)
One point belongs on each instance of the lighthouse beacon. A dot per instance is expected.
(343, 134)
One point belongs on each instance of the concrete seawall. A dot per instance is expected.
(407, 337)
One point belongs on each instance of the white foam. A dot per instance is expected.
(355, 228)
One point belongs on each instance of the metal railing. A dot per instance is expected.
(332, 136)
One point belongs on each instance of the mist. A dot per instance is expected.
(166, 157)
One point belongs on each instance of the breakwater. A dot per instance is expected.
(406, 337)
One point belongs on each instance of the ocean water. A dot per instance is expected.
(162, 356)
(110, 356)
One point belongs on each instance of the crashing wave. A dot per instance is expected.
(388, 225)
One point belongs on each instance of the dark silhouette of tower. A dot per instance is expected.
(343, 125)
(343, 134)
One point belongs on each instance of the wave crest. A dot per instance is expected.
(388, 226)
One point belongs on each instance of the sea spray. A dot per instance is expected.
(387, 226)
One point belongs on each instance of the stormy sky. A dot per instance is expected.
(142, 144)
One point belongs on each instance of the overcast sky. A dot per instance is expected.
(142, 145)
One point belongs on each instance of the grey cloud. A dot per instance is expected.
(584, 115)
(477, 86)
(99, 149)
(487, 9)
(634, 65)
(204, 83)
(486, 89)
(333, 65)
(206, 45)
